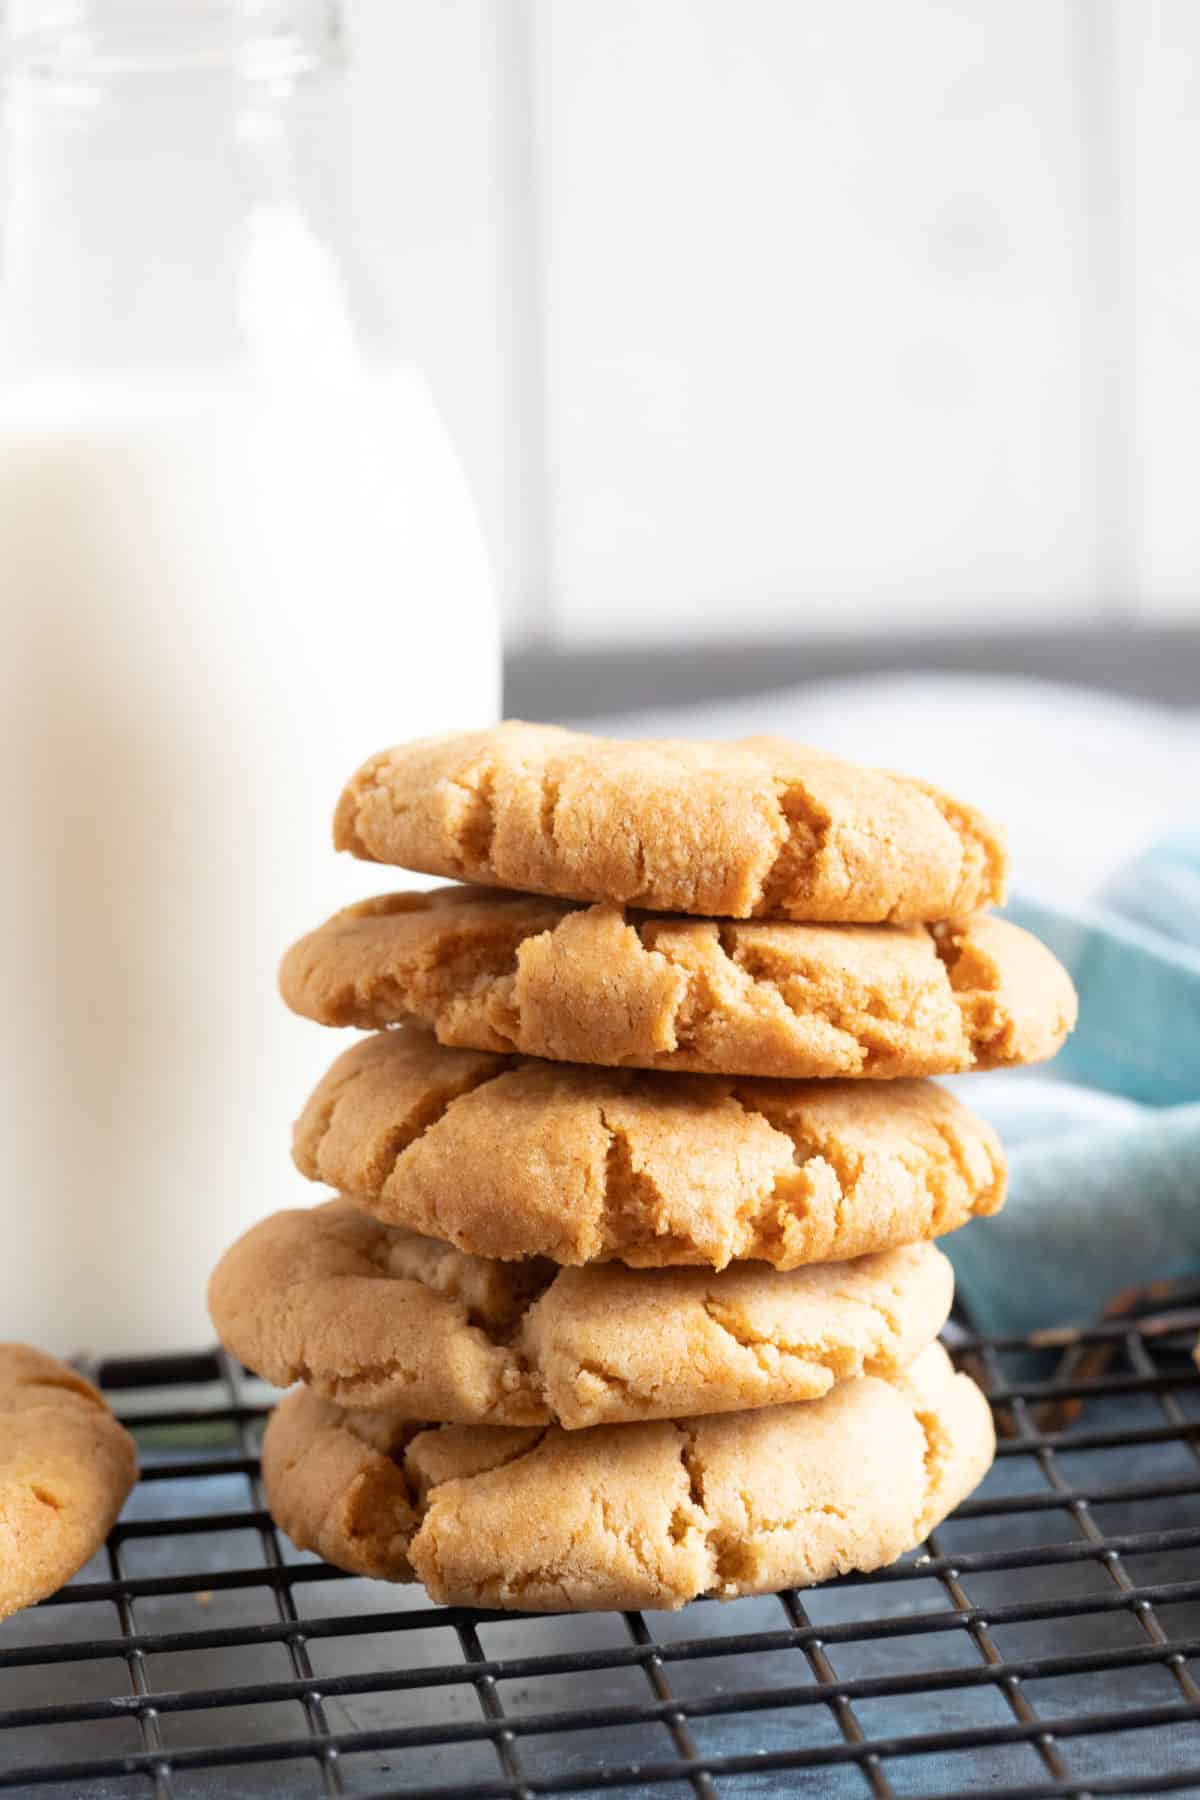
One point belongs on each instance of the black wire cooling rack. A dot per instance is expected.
(1043, 1643)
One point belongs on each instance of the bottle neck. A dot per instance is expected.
(164, 168)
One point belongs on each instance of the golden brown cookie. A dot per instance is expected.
(648, 1515)
(495, 971)
(384, 1320)
(65, 1469)
(757, 828)
(512, 1158)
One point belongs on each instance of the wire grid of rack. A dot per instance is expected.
(1044, 1642)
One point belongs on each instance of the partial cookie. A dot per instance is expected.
(65, 1469)
(384, 1320)
(509, 1158)
(649, 1515)
(758, 828)
(494, 971)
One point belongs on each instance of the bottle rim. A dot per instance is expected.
(88, 40)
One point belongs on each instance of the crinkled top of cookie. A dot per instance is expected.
(602, 984)
(381, 1319)
(755, 828)
(65, 1469)
(647, 1515)
(510, 1158)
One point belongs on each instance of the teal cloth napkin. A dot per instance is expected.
(1104, 1146)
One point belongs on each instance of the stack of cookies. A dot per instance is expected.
(629, 1293)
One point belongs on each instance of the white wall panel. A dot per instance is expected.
(813, 291)
(441, 186)
(1158, 64)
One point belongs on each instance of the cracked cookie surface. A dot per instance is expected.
(646, 1515)
(597, 984)
(66, 1467)
(384, 1320)
(756, 828)
(510, 1158)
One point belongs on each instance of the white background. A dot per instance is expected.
(767, 316)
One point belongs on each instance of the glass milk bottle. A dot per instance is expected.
(237, 554)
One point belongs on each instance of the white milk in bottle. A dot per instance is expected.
(225, 578)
